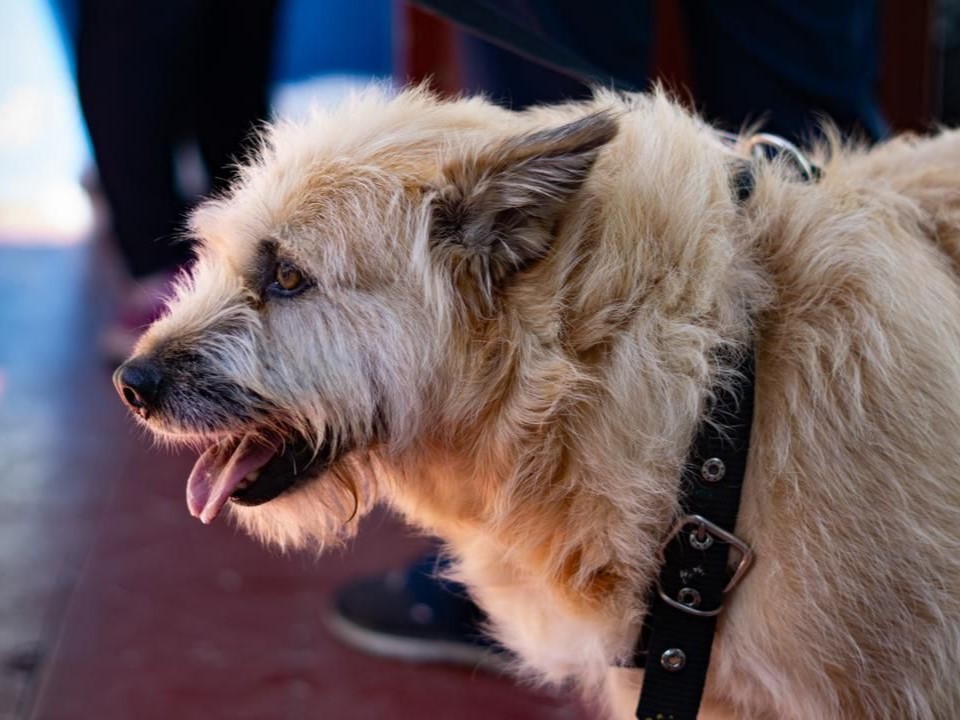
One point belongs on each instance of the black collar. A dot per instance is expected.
(677, 634)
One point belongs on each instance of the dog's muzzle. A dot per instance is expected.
(249, 460)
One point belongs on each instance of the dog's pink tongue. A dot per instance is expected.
(218, 471)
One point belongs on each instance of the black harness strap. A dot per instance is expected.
(695, 575)
(677, 634)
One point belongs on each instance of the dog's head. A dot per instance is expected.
(329, 313)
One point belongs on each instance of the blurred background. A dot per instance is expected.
(114, 603)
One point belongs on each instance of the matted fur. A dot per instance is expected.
(516, 319)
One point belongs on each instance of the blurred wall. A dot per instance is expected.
(333, 37)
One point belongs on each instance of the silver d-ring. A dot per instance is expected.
(756, 143)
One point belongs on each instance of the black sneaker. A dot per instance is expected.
(414, 615)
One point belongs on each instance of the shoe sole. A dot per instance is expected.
(414, 650)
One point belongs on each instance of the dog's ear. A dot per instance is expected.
(496, 212)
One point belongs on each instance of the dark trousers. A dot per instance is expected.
(785, 62)
(152, 74)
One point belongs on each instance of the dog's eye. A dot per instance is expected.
(288, 279)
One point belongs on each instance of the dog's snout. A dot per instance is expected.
(138, 383)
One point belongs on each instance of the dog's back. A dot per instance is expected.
(855, 493)
(927, 172)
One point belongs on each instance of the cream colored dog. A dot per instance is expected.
(505, 326)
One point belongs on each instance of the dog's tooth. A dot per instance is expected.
(252, 476)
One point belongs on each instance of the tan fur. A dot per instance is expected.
(538, 419)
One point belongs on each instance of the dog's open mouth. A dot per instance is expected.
(251, 470)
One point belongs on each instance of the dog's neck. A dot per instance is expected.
(592, 379)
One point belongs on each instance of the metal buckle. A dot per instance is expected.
(718, 533)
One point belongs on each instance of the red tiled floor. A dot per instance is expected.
(138, 611)
(49, 427)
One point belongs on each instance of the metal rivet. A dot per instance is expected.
(688, 596)
(673, 659)
(700, 539)
(713, 470)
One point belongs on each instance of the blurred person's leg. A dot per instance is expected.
(605, 41)
(788, 63)
(510, 80)
(127, 57)
(949, 39)
(126, 60)
(231, 81)
(615, 36)
(151, 75)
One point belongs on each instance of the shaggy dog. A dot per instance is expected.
(507, 326)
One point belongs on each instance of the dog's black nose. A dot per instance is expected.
(138, 383)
